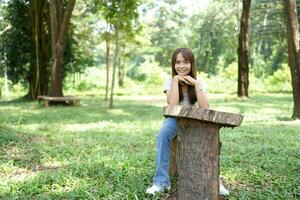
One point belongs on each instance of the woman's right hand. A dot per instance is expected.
(181, 80)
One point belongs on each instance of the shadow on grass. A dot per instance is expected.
(128, 111)
(18, 148)
(15, 101)
(261, 158)
(93, 180)
(8, 136)
(286, 119)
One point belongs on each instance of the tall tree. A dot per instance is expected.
(24, 44)
(243, 51)
(107, 61)
(116, 53)
(120, 17)
(60, 20)
(107, 36)
(292, 27)
(39, 78)
(121, 73)
(4, 27)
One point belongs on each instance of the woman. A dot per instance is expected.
(184, 89)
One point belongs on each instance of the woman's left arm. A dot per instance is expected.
(202, 99)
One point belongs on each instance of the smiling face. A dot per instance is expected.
(182, 66)
(183, 63)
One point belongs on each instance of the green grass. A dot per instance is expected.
(91, 152)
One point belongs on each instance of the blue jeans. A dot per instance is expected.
(167, 132)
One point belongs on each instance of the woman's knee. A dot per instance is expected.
(168, 130)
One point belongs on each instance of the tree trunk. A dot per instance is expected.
(107, 41)
(117, 47)
(121, 72)
(279, 57)
(31, 81)
(5, 83)
(198, 161)
(59, 26)
(38, 84)
(200, 61)
(238, 15)
(206, 62)
(292, 26)
(243, 51)
(122, 68)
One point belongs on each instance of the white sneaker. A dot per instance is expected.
(222, 190)
(154, 189)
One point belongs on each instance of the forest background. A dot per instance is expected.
(115, 56)
(148, 36)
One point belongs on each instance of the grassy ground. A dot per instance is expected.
(91, 152)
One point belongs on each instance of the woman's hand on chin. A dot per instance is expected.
(190, 80)
(183, 80)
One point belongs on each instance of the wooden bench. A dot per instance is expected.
(197, 150)
(70, 100)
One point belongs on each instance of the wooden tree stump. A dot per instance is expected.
(198, 150)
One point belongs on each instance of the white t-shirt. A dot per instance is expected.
(185, 100)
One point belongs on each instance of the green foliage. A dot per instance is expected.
(90, 79)
(111, 12)
(280, 81)
(9, 85)
(93, 152)
(84, 40)
(148, 72)
(267, 37)
(230, 72)
(166, 25)
(211, 33)
(213, 36)
(1, 83)
(18, 45)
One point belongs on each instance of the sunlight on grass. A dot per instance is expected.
(90, 151)
(118, 112)
(85, 127)
(31, 127)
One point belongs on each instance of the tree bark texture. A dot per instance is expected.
(200, 59)
(107, 41)
(60, 21)
(173, 157)
(292, 26)
(198, 149)
(117, 48)
(211, 116)
(121, 68)
(243, 51)
(198, 160)
(121, 73)
(38, 78)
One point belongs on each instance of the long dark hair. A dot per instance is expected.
(189, 56)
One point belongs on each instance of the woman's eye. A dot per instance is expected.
(177, 62)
